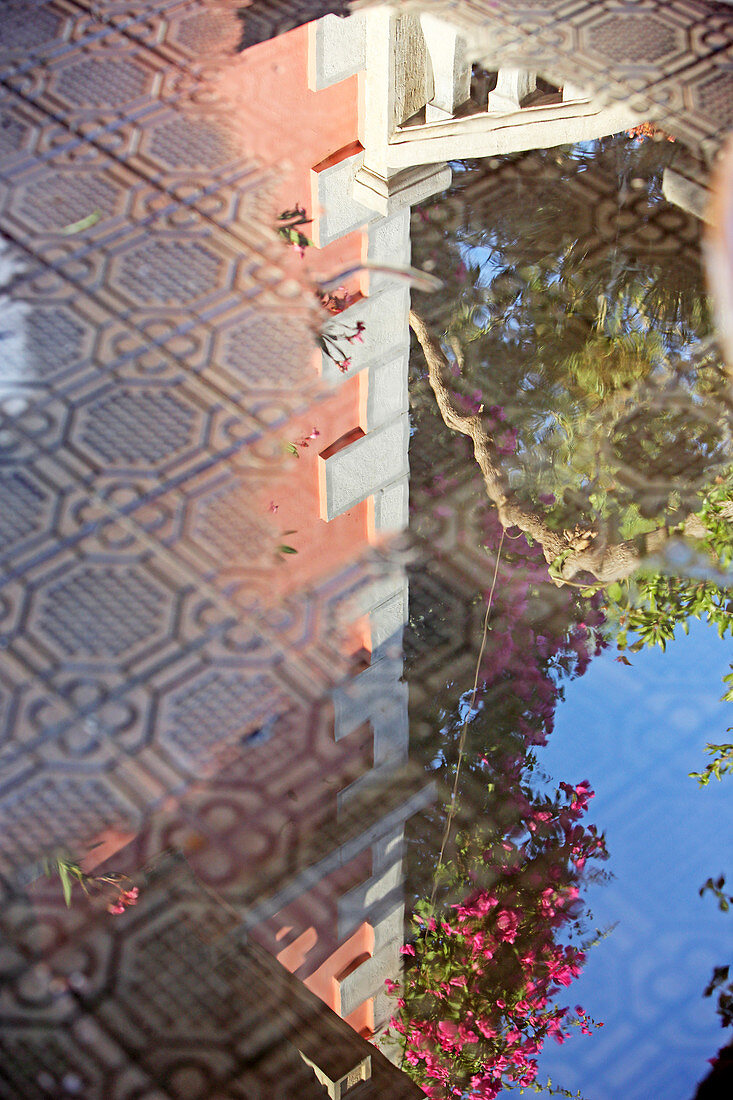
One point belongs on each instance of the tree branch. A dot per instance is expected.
(578, 551)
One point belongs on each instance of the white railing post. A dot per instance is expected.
(512, 86)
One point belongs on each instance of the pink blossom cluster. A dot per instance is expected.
(124, 899)
(477, 1003)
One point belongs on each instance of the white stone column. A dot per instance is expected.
(512, 86)
(451, 69)
(397, 85)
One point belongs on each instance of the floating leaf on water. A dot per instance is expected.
(82, 224)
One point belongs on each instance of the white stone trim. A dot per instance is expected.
(388, 242)
(359, 469)
(336, 212)
(485, 135)
(387, 396)
(399, 188)
(364, 697)
(336, 50)
(392, 507)
(386, 333)
(512, 85)
(448, 60)
(687, 194)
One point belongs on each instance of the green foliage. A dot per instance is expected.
(719, 980)
(68, 873)
(595, 345)
(722, 763)
(82, 224)
(715, 886)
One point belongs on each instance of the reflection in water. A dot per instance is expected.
(210, 751)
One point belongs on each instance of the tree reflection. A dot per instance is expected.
(577, 358)
(500, 930)
(573, 352)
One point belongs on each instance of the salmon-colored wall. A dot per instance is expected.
(293, 496)
(291, 129)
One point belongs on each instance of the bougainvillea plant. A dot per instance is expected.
(481, 977)
(332, 338)
(115, 888)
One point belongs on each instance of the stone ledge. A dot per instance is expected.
(357, 471)
(336, 210)
(336, 50)
(386, 335)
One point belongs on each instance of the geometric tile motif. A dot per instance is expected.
(224, 522)
(715, 97)
(101, 610)
(264, 19)
(169, 271)
(170, 973)
(21, 507)
(206, 32)
(97, 83)
(136, 425)
(56, 810)
(429, 628)
(187, 142)
(53, 340)
(22, 29)
(218, 710)
(261, 350)
(11, 133)
(42, 1065)
(61, 200)
(633, 38)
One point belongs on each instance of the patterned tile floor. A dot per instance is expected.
(134, 402)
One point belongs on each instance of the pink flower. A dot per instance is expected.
(344, 365)
(447, 1032)
(116, 908)
(507, 923)
(408, 949)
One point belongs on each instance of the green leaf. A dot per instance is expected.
(287, 549)
(65, 883)
(82, 224)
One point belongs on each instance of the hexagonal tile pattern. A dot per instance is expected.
(131, 427)
(59, 200)
(169, 271)
(101, 611)
(206, 32)
(715, 97)
(633, 38)
(12, 132)
(51, 809)
(208, 718)
(185, 143)
(222, 523)
(54, 341)
(24, 26)
(97, 82)
(259, 351)
(22, 507)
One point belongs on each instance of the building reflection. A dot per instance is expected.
(203, 680)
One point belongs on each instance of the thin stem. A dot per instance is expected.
(464, 729)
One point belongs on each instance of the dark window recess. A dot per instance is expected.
(342, 441)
